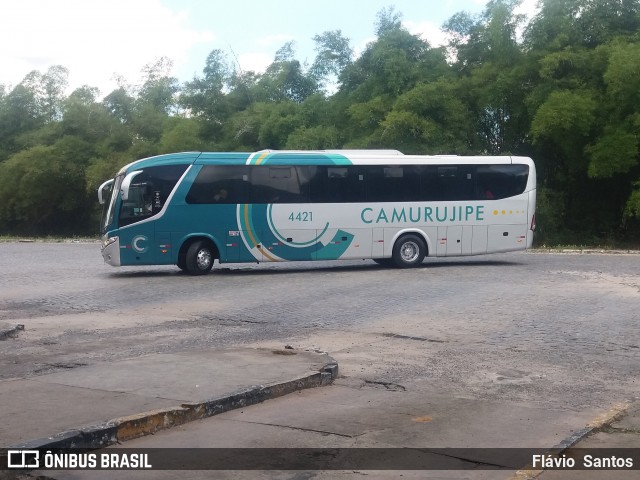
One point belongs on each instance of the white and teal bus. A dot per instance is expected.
(189, 209)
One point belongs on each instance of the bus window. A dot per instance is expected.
(428, 183)
(500, 181)
(220, 184)
(276, 184)
(455, 183)
(343, 184)
(393, 184)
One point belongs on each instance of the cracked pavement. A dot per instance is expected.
(513, 349)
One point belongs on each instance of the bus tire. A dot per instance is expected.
(409, 251)
(199, 258)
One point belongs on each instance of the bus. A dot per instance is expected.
(190, 209)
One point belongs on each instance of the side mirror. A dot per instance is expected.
(101, 189)
(126, 184)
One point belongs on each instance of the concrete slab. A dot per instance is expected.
(418, 418)
(123, 400)
(33, 409)
(191, 376)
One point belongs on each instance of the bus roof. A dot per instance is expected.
(317, 157)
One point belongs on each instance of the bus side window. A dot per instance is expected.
(317, 181)
(345, 184)
(501, 181)
(306, 175)
(455, 183)
(220, 184)
(276, 184)
(429, 183)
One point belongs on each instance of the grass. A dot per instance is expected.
(48, 239)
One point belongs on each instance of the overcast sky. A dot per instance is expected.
(98, 39)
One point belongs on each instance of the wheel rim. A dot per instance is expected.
(203, 259)
(409, 252)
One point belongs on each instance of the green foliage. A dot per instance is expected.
(550, 217)
(42, 189)
(387, 20)
(623, 78)
(334, 54)
(566, 93)
(445, 122)
(313, 138)
(614, 152)
(181, 135)
(565, 121)
(632, 208)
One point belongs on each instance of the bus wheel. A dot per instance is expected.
(409, 251)
(199, 258)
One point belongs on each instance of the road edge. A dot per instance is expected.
(603, 420)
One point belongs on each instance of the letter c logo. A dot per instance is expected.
(135, 244)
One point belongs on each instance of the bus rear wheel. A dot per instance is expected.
(199, 258)
(409, 251)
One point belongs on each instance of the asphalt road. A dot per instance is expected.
(550, 328)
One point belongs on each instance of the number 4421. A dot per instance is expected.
(301, 216)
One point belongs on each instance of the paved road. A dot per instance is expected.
(503, 350)
(557, 328)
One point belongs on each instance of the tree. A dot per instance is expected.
(285, 79)
(54, 84)
(181, 135)
(159, 89)
(204, 96)
(42, 189)
(84, 117)
(387, 20)
(120, 105)
(334, 54)
(430, 118)
(19, 114)
(156, 100)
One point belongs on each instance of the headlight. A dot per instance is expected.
(108, 242)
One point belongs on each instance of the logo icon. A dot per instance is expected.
(23, 459)
(138, 243)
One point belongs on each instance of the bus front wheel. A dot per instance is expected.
(199, 258)
(409, 251)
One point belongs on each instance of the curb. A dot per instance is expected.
(613, 414)
(583, 251)
(134, 426)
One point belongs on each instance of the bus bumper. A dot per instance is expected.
(111, 250)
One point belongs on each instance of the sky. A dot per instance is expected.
(99, 40)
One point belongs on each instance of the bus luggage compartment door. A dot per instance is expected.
(290, 244)
(377, 247)
(457, 239)
(347, 243)
(479, 242)
(506, 238)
